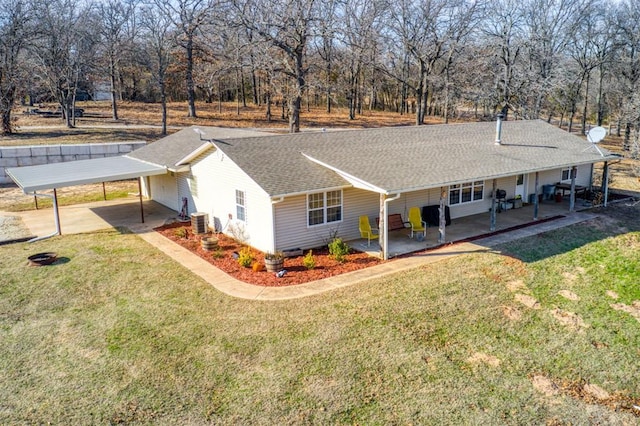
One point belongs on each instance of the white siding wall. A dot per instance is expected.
(550, 177)
(291, 220)
(291, 216)
(164, 190)
(217, 180)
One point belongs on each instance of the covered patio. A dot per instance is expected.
(470, 227)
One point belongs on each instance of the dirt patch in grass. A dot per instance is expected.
(544, 385)
(612, 294)
(514, 314)
(634, 309)
(225, 258)
(569, 319)
(569, 295)
(589, 393)
(528, 301)
(485, 359)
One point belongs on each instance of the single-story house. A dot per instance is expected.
(285, 191)
(288, 191)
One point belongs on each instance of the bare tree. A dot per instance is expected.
(287, 25)
(156, 52)
(117, 30)
(188, 16)
(61, 51)
(359, 25)
(503, 30)
(15, 33)
(629, 62)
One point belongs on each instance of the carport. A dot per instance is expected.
(58, 175)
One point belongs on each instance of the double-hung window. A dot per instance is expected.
(566, 174)
(241, 206)
(467, 192)
(324, 207)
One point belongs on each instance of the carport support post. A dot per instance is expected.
(493, 206)
(535, 199)
(140, 195)
(442, 221)
(605, 182)
(56, 213)
(572, 192)
(382, 228)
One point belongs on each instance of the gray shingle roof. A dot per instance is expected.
(173, 148)
(402, 159)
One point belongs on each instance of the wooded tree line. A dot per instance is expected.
(575, 60)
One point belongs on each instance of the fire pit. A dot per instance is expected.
(42, 259)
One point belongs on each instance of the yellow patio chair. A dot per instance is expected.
(417, 224)
(366, 231)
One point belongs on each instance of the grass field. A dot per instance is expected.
(538, 331)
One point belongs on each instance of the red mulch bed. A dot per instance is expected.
(296, 273)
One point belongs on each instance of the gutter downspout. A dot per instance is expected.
(56, 216)
(385, 225)
(273, 220)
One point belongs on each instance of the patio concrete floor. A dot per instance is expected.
(470, 227)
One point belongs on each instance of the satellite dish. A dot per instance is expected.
(596, 134)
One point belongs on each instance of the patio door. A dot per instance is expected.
(521, 186)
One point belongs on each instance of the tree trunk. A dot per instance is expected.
(219, 97)
(243, 89)
(626, 144)
(328, 82)
(163, 98)
(254, 84)
(268, 100)
(7, 102)
(586, 102)
(191, 93)
(294, 106)
(600, 101)
(114, 103)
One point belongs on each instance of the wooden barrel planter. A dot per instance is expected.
(209, 243)
(274, 265)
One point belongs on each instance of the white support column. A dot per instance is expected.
(442, 221)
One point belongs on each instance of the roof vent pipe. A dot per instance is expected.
(499, 129)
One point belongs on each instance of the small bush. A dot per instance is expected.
(181, 232)
(338, 249)
(218, 254)
(245, 257)
(309, 261)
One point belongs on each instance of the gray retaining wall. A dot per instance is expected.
(34, 155)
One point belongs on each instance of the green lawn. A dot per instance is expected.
(118, 333)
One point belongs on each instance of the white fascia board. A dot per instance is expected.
(58, 175)
(353, 180)
(201, 149)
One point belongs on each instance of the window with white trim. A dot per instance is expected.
(467, 192)
(241, 207)
(324, 207)
(566, 174)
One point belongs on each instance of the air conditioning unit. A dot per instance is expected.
(199, 222)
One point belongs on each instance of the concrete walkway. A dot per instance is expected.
(125, 212)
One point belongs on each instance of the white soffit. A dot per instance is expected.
(59, 175)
